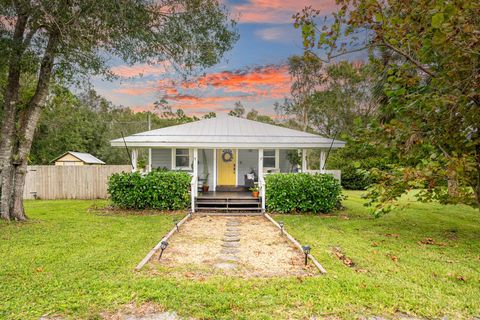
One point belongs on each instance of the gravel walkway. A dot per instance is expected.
(238, 246)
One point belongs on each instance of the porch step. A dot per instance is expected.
(219, 203)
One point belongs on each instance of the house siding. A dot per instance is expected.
(247, 160)
(162, 158)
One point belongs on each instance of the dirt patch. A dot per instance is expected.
(146, 311)
(239, 246)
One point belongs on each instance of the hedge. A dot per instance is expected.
(163, 190)
(302, 192)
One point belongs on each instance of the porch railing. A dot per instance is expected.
(193, 191)
(261, 187)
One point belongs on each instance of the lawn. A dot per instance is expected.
(72, 262)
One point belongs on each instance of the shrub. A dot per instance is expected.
(355, 179)
(163, 190)
(302, 192)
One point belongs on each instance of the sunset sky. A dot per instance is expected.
(254, 72)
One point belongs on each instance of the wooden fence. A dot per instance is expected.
(69, 182)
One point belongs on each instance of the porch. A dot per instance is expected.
(228, 154)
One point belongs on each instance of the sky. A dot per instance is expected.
(253, 72)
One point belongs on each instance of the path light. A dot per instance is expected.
(163, 246)
(175, 221)
(306, 250)
(281, 224)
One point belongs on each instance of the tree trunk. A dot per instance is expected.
(476, 187)
(8, 121)
(27, 123)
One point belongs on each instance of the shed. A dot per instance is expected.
(72, 158)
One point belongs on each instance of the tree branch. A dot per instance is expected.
(409, 58)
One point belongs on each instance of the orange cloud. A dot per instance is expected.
(277, 11)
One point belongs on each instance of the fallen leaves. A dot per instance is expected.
(337, 252)
(392, 235)
(392, 257)
(432, 242)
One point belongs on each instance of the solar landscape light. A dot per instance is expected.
(306, 250)
(175, 222)
(163, 246)
(281, 224)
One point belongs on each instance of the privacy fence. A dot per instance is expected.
(69, 182)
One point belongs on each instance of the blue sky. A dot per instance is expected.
(254, 72)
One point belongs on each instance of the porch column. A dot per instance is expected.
(149, 168)
(304, 160)
(195, 169)
(134, 156)
(260, 163)
(322, 160)
(214, 187)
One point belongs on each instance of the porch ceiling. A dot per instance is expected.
(227, 132)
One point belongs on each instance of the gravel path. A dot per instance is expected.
(238, 246)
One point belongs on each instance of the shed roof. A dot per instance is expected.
(82, 156)
(227, 131)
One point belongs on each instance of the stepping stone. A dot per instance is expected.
(231, 234)
(231, 239)
(229, 251)
(225, 266)
(229, 258)
(231, 244)
(233, 229)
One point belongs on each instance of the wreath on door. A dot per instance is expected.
(227, 155)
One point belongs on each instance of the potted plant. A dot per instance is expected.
(255, 191)
(205, 187)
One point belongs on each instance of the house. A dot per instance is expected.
(227, 153)
(72, 158)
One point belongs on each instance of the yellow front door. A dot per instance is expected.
(226, 167)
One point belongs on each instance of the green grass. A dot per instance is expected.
(71, 262)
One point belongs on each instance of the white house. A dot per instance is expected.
(226, 152)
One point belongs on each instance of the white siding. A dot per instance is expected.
(209, 157)
(162, 158)
(247, 160)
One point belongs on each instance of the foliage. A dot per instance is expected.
(87, 123)
(162, 190)
(53, 41)
(427, 58)
(424, 282)
(302, 192)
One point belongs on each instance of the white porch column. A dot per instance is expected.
(214, 169)
(260, 163)
(149, 168)
(195, 168)
(134, 156)
(322, 160)
(304, 160)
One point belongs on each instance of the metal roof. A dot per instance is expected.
(83, 156)
(227, 131)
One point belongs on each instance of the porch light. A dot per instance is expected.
(306, 250)
(163, 246)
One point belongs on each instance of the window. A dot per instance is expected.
(269, 159)
(182, 158)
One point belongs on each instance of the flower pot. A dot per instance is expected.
(255, 194)
(205, 188)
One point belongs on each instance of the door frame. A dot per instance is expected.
(215, 162)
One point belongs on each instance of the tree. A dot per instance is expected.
(307, 77)
(429, 54)
(238, 110)
(51, 40)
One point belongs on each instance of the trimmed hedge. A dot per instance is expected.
(163, 190)
(302, 192)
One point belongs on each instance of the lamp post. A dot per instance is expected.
(163, 246)
(306, 250)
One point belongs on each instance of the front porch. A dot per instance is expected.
(229, 153)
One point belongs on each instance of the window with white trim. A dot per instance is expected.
(269, 159)
(182, 158)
